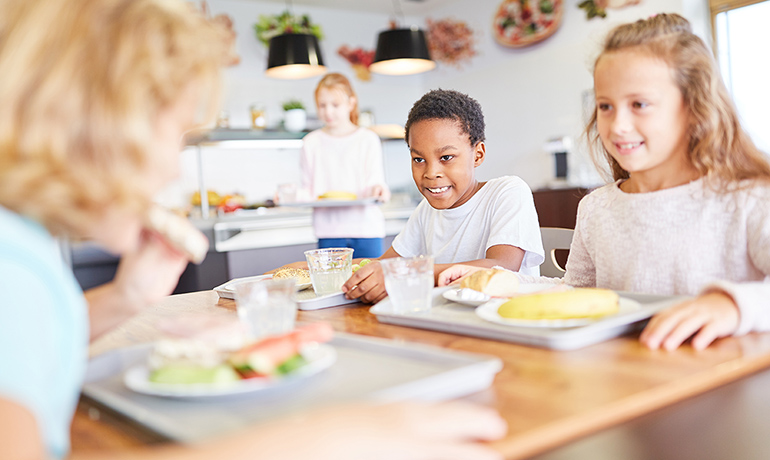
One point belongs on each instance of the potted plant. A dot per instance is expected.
(268, 26)
(295, 117)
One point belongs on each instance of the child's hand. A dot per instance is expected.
(381, 192)
(707, 317)
(455, 272)
(367, 284)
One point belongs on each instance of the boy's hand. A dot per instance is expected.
(707, 317)
(454, 273)
(367, 284)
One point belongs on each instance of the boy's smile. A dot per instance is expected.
(443, 162)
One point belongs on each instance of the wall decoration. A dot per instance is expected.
(360, 59)
(450, 42)
(519, 23)
(268, 26)
(598, 8)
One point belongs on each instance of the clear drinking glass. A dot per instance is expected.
(267, 306)
(329, 269)
(409, 282)
(258, 116)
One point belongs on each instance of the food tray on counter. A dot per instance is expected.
(330, 203)
(456, 318)
(366, 369)
(306, 297)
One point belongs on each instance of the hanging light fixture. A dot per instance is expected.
(294, 56)
(401, 51)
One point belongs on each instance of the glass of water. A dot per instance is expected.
(409, 282)
(267, 306)
(329, 269)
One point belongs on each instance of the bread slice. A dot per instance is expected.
(493, 282)
(179, 232)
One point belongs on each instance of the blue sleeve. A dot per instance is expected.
(27, 336)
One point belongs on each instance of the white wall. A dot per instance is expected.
(528, 95)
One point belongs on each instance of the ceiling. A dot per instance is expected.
(408, 7)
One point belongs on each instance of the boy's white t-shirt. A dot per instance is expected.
(501, 212)
(351, 163)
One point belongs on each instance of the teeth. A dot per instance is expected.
(438, 190)
(630, 145)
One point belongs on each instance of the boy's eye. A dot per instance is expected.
(418, 160)
(446, 157)
(639, 105)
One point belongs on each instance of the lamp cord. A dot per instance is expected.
(397, 12)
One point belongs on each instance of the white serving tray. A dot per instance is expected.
(333, 203)
(367, 369)
(306, 297)
(448, 316)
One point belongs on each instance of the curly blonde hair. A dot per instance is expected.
(83, 82)
(341, 82)
(718, 147)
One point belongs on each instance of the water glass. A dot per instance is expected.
(409, 282)
(258, 116)
(287, 193)
(329, 269)
(267, 306)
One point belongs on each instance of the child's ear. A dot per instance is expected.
(479, 152)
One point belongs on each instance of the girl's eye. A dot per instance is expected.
(418, 160)
(446, 157)
(639, 105)
(603, 107)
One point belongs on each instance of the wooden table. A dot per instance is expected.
(549, 398)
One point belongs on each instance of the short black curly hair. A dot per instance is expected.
(441, 104)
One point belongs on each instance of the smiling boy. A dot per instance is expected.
(461, 220)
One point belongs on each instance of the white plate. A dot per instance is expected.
(488, 312)
(319, 357)
(474, 298)
(227, 290)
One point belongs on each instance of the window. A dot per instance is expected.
(742, 37)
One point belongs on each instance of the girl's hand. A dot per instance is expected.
(367, 284)
(151, 272)
(381, 192)
(707, 317)
(454, 273)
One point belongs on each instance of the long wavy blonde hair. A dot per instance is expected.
(718, 147)
(341, 82)
(82, 83)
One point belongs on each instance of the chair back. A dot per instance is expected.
(554, 238)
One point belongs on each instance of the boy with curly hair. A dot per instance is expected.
(485, 224)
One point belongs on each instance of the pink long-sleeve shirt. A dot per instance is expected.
(351, 163)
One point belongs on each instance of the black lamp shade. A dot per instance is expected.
(293, 56)
(402, 52)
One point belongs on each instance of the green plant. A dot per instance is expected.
(268, 26)
(293, 104)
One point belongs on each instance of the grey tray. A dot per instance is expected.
(367, 369)
(448, 316)
(306, 297)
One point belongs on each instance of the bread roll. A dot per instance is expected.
(179, 232)
(299, 275)
(493, 282)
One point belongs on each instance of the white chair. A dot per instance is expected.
(554, 238)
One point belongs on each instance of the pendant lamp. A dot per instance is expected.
(402, 52)
(294, 56)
